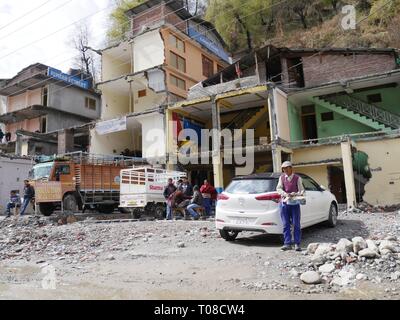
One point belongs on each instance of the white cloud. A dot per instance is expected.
(54, 50)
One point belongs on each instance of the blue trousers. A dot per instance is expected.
(191, 210)
(291, 215)
(207, 202)
(169, 212)
(25, 205)
(10, 206)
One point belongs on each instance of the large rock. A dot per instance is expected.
(368, 253)
(371, 245)
(358, 244)
(388, 245)
(323, 249)
(327, 268)
(318, 260)
(344, 245)
(310, 277)
(312, 247)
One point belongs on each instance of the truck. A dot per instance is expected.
(78, 181)
(13, 171)
(142, 190)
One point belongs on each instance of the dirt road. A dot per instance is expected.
(175, 260)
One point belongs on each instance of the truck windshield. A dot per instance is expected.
(41, 171)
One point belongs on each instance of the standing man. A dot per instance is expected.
(29, 194)
(168, 191)
(187, 188)
(289, 187)
(209, 194)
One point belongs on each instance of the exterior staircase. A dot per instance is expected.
(246, 119)
(360, 111)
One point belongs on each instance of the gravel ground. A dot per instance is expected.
(188, 260)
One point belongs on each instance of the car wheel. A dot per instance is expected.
(229, 235)
(333, 216)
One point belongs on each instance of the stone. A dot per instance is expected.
(181, 245)
(358, 244)
(312, 247)
(371, 245)
(267, 263)
(110, 257)
(344, 245)
(310, 277)
(391, 238)
(294, 273)
(385, 252)
(388, 245)
(71, 219)
(327, 268)
(361, 276)
(339, 281)
(318, 260)
(323, 249)
(395, 276)
(368, 253)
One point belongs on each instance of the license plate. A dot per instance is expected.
(132, 203)
(241, 221)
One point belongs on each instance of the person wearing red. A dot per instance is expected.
(209, 195)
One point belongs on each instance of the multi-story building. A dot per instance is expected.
(168, 51)
(40, 100)
(334, 113)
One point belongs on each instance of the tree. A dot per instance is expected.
(85, 59)
(119, 22)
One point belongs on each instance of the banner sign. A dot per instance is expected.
(115, 125)
(209, 44)
(75, 80)
(48, 192)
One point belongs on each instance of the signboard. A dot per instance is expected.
(75, 80)
(209, 44)
(48, 192)
(110, 126)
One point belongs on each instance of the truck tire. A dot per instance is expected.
(70, 203)
(46, 209)
(106, 208)
(136, 213)
(160, 211)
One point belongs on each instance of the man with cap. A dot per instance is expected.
(289, 187)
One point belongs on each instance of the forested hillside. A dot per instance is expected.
(292, 23)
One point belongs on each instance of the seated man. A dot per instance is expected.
(15, 202)
(195, 203)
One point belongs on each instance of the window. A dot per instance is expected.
(90, 103)
(208, 67)
(43, 124)
(309, 184)
(178, 62)
(374, 98)
(177, 43)
(142, 93)
(45, 96)
(178, 82)
(327, 116)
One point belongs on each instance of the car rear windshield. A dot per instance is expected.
(252, 186)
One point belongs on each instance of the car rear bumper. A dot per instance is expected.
(269, 222)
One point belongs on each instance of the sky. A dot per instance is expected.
(39, 31)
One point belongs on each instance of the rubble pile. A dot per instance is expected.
(347, 261)
(369, 208)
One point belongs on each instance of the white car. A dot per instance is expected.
(251, 203)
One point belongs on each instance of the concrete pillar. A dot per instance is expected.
(171, 145)
(277, 158)
(66, 141)
(349, 174)
(216, 149)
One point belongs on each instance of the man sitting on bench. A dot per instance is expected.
(195, 203)
(15, 202)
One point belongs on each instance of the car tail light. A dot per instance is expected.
(269, 224)
(222, 197)
(219, 220)
(275, 197)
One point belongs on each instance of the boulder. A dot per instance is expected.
(318, 260)
(385, 252)
(358, 244)
(323, 249)
(371, 245)
(327, 268)
(368, 253)
(312, 247)
(387, 244)
(310, 277)
(344, 245)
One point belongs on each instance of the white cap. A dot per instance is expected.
(287, 164)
